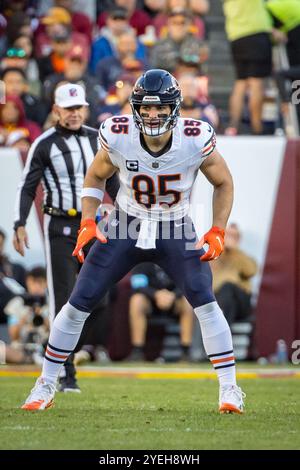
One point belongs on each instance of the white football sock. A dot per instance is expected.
(217, 341)
(64, 336)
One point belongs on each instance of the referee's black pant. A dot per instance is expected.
(62, 268)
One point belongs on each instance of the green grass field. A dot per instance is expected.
(128, 413)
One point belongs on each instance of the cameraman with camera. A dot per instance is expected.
(28, 316)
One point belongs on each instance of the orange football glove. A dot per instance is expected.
(88, 231)
(215, 239)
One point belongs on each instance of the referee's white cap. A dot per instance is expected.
(69, 95)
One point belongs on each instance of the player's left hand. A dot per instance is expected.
(88, 231)
(215, 240)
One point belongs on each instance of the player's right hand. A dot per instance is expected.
(88, 231)
(20, 240)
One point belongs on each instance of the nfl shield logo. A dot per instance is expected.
(73, 92)
(155, 165)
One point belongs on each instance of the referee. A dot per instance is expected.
(60, 158)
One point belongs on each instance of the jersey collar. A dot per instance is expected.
(165, 149)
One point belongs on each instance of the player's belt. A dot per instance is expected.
(61, 213)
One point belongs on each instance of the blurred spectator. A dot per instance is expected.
(103, 6)
(58, 24)
(16, 84)
(189, 64)
(12, 282)
(18, 140)
(248, 28)
(231, 278)
(110, 68)
(12, 7)
(76, 62)
(32, 70)
(116, 101)
(9, 288)
(14, 57)
(196, 103)
(61, 43)
(286, 17)
(196, 27)
(22, 41)
(154, 293)
(193, 109)
(49, 26)
(154, 7)
(34, 303)
(12, 118)
(105, 45)
(179, 41)
(89, 8)
(80, 21)
(17, 57)
(138, 19)
(199, 7)
(18, 23)
(15, 353)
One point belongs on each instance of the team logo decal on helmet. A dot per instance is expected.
(156, 87)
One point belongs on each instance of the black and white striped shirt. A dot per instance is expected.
(59, 158)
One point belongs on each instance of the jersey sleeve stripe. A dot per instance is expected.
(206, 151)
(102, 136)
(103, 144)
(209, 146)
(212, 139)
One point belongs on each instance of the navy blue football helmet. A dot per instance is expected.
(156, 87)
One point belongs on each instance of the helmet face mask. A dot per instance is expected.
(156, 88)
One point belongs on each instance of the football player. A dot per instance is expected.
(158, 155)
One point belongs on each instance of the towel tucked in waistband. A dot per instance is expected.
(147, 235)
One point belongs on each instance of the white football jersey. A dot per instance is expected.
(156, 187)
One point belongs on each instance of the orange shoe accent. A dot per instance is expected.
(35, 405)
(229, 408)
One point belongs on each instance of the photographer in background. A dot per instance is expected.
(12, 283)
(28, 316)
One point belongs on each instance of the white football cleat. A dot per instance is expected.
(231, 399)
(41, 396)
